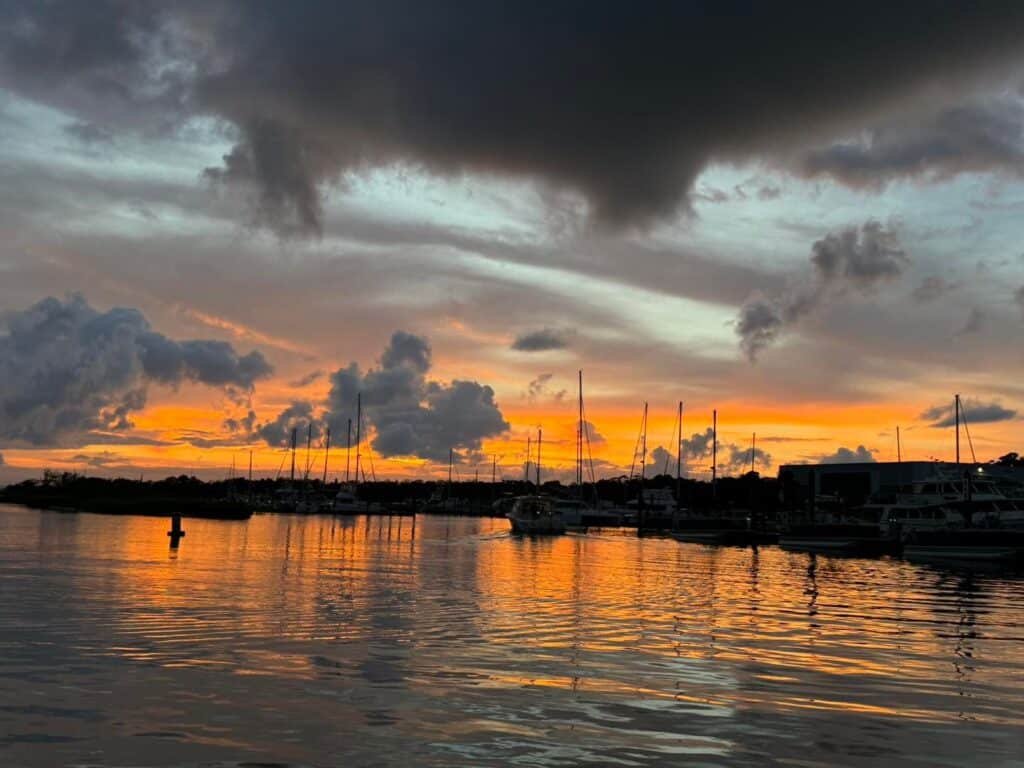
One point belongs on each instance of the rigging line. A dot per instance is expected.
(970, 442)
(675, 430)
(373, 472)
(590, 452)
(636, 448)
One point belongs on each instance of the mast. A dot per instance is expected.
(359, 432)
(451, 462)
(899, 451)
(579, 442)
(643, 450)
(529, 456)
(327, 454)
(348, 449)
(309, 444)
(753, 450)
(538, 458)
(714, 455)
(679, 460)
(294, 435)
(956, 409)
(250, 467)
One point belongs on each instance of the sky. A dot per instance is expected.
(221, 221)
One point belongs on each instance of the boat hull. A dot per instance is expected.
(838, 539)
(537, 527)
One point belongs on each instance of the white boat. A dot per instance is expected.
(535, 515)
(346, 502)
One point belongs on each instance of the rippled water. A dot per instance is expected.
(298, 641)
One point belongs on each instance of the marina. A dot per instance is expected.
(312, 640)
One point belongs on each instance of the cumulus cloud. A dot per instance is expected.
(732, 458)
(931, 288)
(848, 456)
(974, 411)
(320, 90)
(540, 341)
(699, 444)
(411, 415)
(299, 417)
(591, 433)
(68, 370)
(738, 459)
(854, 259)
(663, 460)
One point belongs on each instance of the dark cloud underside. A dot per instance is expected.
(624, 103)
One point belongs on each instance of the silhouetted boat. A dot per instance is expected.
(967, 544)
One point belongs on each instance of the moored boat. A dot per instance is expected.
(966, 545)
(536, 515)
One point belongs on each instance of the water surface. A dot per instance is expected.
(308, 641)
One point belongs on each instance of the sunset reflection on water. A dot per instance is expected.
(367, 641)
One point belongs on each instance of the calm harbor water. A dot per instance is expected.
(308, 641)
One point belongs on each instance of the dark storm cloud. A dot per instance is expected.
(623, 103)
(974, 411)
(540, 340)
(411, 415)
(67, 370)
(854, 259)
(848, 456)
(977, 137)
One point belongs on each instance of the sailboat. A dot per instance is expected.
(536, 514)
(709, 526)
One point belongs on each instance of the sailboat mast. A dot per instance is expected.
(294, 435)
(643, 448)
(529, 458)
(714, 455)
(451, 462)
(679, 459)
(309, 445)
(753, 450)
(250, 466)
(956, 409)
(359, 430)
(579, 442)
(538, 457)
(327, 454)
(899, 450)
(348, 450)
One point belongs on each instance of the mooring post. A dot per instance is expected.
(175, 533)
